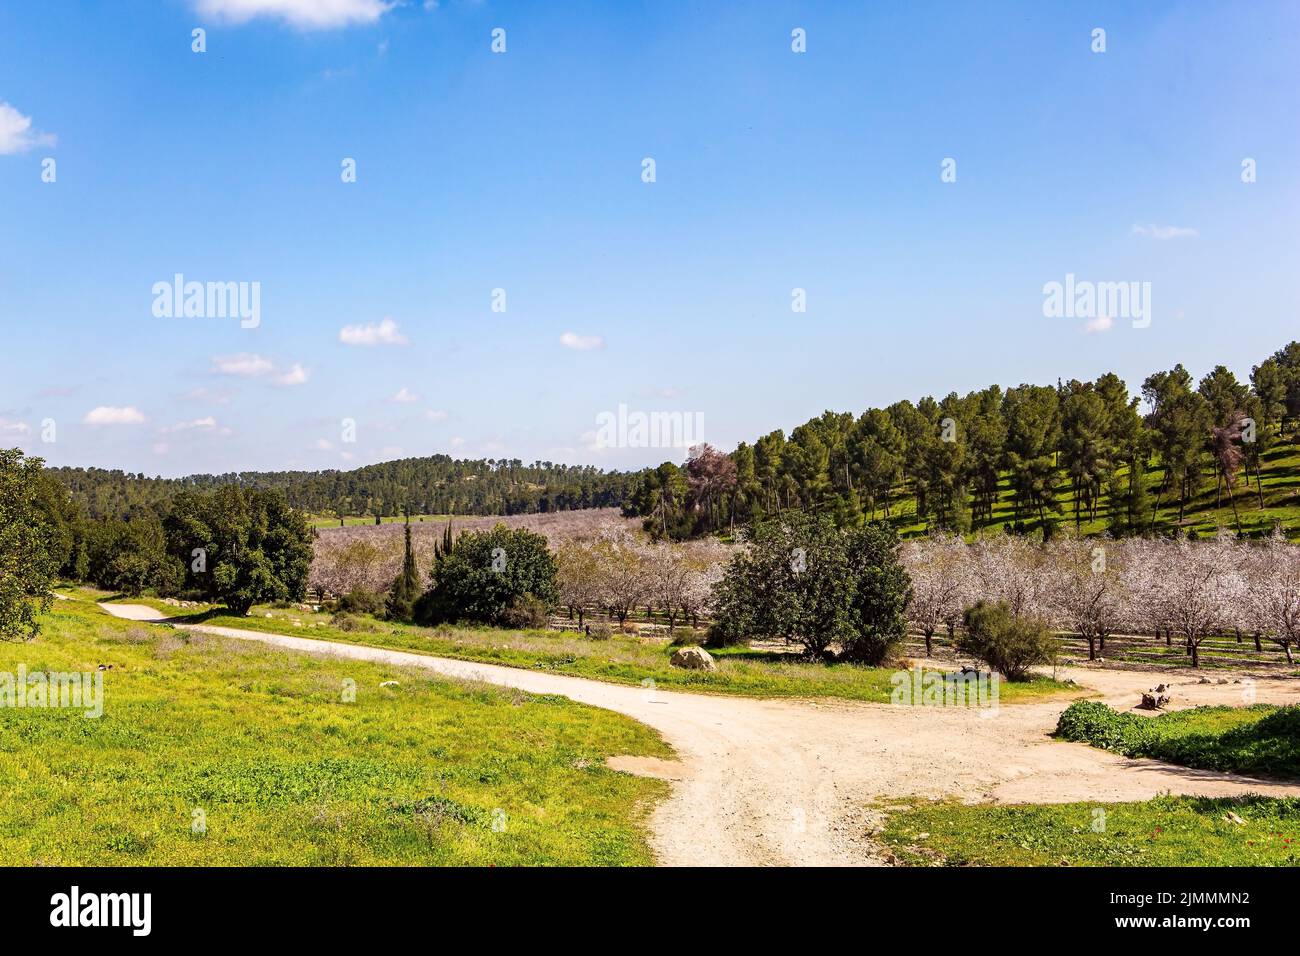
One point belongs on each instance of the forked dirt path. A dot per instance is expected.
(785, 782)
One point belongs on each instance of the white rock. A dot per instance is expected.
(693, 659)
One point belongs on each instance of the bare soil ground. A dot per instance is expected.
(782, 782)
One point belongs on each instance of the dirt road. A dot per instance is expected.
(784, 782)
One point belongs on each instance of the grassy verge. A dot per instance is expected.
(1166, 831)
(622, 659)
(284, 770)
(1261, 739)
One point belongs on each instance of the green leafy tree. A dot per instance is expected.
(489, 574)
(241, 547)
(806, 581)
(28, 555)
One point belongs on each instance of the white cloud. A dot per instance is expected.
(384, 332)
(243, 364)
(405, 396)
(199, 424)
(583, 343)
(1152, 231)
(252, 365)
(10, 427)
(297, 375)
(1102, 323)
(113, 415)
(16, 133)
(303, 14)
(323, 444)
(436, 415)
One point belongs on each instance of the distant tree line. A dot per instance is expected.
(433, 485)
(955, 456)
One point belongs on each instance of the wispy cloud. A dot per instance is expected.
(10, 427)
(252, 365)
(436, 415)
(57, 391)
(16, 133)
(581, 343)
(1152, 231)
(202, 394)
(404, 396)
(206, 424)
(303, 14)
(113, 415)
(243, 365)
(384, 332)
(1102, 323)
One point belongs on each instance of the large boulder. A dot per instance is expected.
(693, 659)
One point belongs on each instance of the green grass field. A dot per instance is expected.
(1167, 831)
(285, 771)
(621, 659)
(1204, 514)
(1258, 740)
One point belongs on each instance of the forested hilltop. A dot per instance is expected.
(433, 485)
(1186, 454)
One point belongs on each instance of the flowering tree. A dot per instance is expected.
(939, 567)
(1200, 589)
(578, 576)
(1273, 592)
(1087, 593)
(621, 571)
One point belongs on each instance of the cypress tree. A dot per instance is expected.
(406, 589)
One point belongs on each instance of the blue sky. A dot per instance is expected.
(522, 171)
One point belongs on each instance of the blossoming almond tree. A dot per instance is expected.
(1273, 591)
(939, 568)
(1087, 589)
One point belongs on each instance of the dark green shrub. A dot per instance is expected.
(1092, 722)
(485, 573)
(1260, 739)
(347, 622)
(524, 611)
(1010, 645)
(361, 601)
